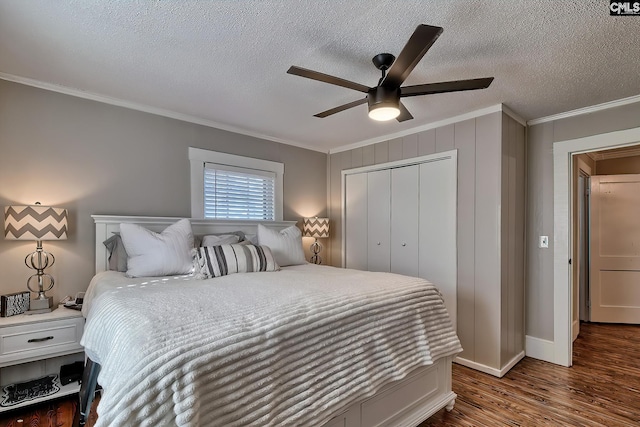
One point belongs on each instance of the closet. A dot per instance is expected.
(400, 217)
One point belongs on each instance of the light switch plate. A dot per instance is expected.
(544, 242)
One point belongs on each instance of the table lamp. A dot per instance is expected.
(317, 228)
(37, 222)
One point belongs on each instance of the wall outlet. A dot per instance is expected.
(544, 242)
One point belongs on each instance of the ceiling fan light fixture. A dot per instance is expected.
(382, 114)
(384, 104)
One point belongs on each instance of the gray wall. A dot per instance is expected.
(93, 158)
(491, 186)
(539, 275)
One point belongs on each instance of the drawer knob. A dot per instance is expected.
(40, 339)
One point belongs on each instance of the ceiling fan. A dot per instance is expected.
(384, 99)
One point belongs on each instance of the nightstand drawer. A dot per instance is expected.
(64, 334)
(40, 339)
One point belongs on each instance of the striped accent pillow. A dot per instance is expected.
(221, 260)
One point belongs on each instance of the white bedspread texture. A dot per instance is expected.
(292, 347)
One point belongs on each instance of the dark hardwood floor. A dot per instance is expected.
(601, 389)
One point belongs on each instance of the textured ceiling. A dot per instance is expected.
(226, 61)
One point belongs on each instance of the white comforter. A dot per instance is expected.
(292, 347)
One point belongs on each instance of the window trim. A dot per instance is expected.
(198, 157)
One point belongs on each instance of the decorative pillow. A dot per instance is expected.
(216, 261)
(217, 240)
(286, 244)
(253, 238)
(198, 239)
(158, 254)
(117, 253)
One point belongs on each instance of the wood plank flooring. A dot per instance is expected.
(601, 389)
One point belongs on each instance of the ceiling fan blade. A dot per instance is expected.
(341, 108)
(419, 43)
(442, 87)
(326, 78)
(404, 114)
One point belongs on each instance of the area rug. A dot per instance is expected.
(14, 394)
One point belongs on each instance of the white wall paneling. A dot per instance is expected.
(490, 227)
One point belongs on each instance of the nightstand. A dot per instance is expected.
(32, 346)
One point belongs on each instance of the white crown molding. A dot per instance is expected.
(147, 109)
(586, 110)
(509, 112)
(428, 126)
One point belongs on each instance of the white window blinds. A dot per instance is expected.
(238, 193)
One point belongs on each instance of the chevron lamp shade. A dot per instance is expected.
(35, 222)
(316, 227)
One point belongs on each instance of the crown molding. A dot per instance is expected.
(148, 109)
(509, 112)
(586, 110)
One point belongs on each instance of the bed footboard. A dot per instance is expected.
(87, 391)
(404, 403)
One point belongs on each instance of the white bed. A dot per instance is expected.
(307, 345)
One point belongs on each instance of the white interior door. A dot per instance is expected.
(379, 220)
(356, 221)
(404, 220)
(615, 248)
(437, 233)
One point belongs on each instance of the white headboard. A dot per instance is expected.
(106, 225)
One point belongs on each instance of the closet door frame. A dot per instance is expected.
(449, 275)
(451, 154)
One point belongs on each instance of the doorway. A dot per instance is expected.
(606, 249)
(562, 214)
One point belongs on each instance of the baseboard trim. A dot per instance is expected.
(488, 369)
(540, 349)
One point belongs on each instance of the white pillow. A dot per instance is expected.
(158, 254)
(217, 240)
(286, 245)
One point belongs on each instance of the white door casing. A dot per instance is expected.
(562, 296)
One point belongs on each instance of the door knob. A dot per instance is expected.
(404, 244)
(378, 243)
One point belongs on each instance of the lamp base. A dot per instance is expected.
(315, 249)
(39, 304)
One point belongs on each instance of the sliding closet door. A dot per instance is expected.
(404, 220)
(379, 224)
(437, 234)
(356, 221)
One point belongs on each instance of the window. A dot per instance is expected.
(238, 193)
(225, 186)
